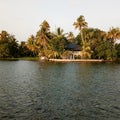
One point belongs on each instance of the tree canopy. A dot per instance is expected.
(8, 45)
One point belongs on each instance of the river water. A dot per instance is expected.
(32, 90)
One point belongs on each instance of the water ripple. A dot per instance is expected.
(59, 91)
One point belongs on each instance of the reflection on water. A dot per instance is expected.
(64, 91)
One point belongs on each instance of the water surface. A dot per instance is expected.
(31, 90)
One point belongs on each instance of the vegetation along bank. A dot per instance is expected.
(89, 43)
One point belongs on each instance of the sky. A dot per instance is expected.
(23, 17)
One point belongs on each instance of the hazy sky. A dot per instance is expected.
(23, 17)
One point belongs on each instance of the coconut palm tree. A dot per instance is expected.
(81, 24)
(58, 43)
(42, 41)
(43, 38)
(31, 45)
(45, 27)
(4, 36)
(86, 50)
(113, 34)
(71, 37)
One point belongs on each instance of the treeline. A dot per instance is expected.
(92, 42)
(9, 47)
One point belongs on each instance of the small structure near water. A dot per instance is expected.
(43, 58)
(73, 52)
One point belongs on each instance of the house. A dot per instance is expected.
(73, 51)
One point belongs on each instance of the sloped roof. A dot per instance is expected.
(73, 46)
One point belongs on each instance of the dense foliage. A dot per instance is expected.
(8, 45)
(92, 42)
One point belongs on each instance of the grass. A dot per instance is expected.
(22, 58)
(29, 58)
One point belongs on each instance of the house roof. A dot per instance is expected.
(74, 47)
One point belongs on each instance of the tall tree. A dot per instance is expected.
(43, 38)
(32, 46)
(81, 24)
(58, 43)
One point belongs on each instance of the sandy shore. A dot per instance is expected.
(76, 60)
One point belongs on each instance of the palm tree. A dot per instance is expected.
(87, 52)
(43, 38)
(71, 37)
(58, 43)
(81, 24)
(4, 36)
(31, 45)
(113, 34)
(45, 26)
(59, 33)
(42, 41)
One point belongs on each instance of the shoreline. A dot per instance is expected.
(21, 58)
(58, 60)
(80, 60)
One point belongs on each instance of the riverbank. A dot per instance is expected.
(57, 60)
(22, 58)
(79, 60)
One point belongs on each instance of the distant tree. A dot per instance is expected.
(4, 36)
(78, 40)
(4, 50)
(13, 46)
(32, 45)
(106, 50)
(82, 24)
(117, 47)
(58, 43)
(8, 45)
(95, 37)
(71, 37)
(43, 38)
(113, 34)
(24, 51)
